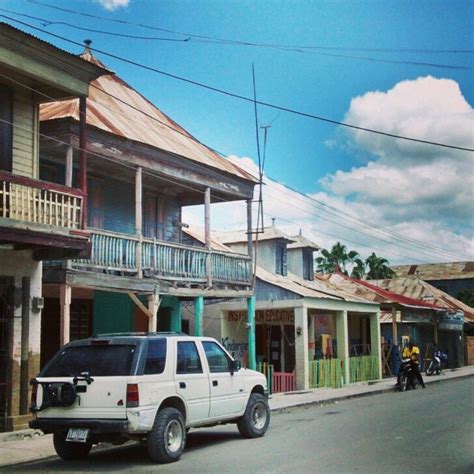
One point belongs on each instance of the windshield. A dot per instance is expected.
(99, 361)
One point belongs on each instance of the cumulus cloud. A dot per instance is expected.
(112, 5)
(416, 191)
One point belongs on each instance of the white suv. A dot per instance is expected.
(148, 387)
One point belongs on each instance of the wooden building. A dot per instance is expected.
(38, 220)
(142, 169)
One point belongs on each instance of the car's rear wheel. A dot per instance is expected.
(254, 423)
(69, 450)
(167, 438)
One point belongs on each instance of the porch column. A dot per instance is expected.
(83, 155)
(25, 343)
(69, 166)
(375, 340)
(301, 348)
(138, 220)
(249, 229)
(207, 234)
(153, 306)
(176, 316)
(252, 353)
(342, 338)
(65, 313)
(311, 342)
(198, 312)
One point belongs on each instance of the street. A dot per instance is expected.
(424, 430)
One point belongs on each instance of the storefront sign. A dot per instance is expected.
(416, 318)
(451, 322)
(264, 316)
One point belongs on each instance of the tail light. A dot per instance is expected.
(133, 398)
(34, 393)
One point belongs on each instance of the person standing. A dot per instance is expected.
(412, 352)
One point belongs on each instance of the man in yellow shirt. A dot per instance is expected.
(412, 352)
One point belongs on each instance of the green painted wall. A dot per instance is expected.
(113, 312)
(171, 314)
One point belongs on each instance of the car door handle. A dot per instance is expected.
(215, 383)
(182, 384)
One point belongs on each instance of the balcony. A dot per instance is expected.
(127, 254)
(39, 202)
(41, 216)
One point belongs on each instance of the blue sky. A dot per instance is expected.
(305, 154)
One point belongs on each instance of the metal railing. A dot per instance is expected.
(39, 202)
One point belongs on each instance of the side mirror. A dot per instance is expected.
(234, 366)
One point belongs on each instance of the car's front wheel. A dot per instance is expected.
(69, 450)
(167, 438)
(254, 423)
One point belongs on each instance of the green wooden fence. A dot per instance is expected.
(363, 368)
(326, 373)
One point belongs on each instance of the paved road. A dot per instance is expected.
(428, 430)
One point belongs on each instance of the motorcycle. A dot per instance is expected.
(407, 377)
(436, 363)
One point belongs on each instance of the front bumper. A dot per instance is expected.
(96, 426)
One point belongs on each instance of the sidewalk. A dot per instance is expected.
(30, 445)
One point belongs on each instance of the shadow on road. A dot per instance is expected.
(123, 457)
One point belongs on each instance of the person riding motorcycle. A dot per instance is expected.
(412, 352)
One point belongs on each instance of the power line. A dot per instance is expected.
(45, 22)
(324, 207)
(258, 44)
(245, 98)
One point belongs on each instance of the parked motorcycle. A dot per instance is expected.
(407, 377)
(436, 363)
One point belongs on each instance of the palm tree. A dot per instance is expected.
(337, 257)
(358, 271)
(378, 268)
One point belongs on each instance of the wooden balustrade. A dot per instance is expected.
(33, 201)
(117, 252)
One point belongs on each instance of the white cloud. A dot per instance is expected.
(112, 5)
(418, 191)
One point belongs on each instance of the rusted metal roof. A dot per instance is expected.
(374, 293)
(107, 110)
(413, 287)
(437, 271)
(301, 242)
(198, 234)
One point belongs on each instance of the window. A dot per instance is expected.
(281, 260)
(308, 270)
(217, 359)
(98, 361)
(6, 128)
(155, 357)
(189, 361)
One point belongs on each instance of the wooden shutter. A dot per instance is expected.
(6, 128)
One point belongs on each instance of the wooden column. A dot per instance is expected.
(207, 234)
(83, 155)
(394, 326)
(65, 310)
(153, 306)
(138, 220)
(69, 166)
(249, 229)
(25, 344)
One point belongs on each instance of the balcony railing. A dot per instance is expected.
(118, 252)
(39, 202)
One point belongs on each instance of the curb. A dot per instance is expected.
(360, 395)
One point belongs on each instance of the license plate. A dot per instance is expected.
(77, 435)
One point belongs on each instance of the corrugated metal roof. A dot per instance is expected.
(197, 233)
(413, 287)
(301, 242)
(374, 293)
(308, 289)
(240, 236)
(156, 129)
(437, 271)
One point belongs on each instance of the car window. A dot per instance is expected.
(217, 359)
(189, 361)
(98, 361)
(155, 357)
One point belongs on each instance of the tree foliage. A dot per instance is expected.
(338, 256)
(378, 268)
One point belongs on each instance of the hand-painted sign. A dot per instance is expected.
(264, 316)
(451, 322)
